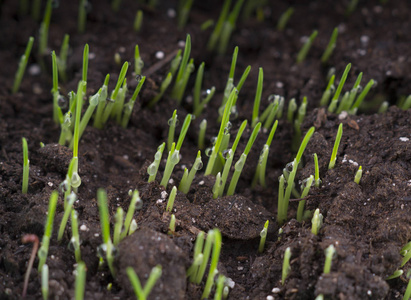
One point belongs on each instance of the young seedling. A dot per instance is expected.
(57, 113)
(241, 162)
(29, 238)
(75, 237)
(26, 167)
(257, 98)
(317, 222)
(201, 134)
(142, 293)
(384, 106)
(45, 282)
(118, 225)
(317, 180)
(286, 265)
(292, 107)
(298, 123)
(103, 92)
(183, 74)
(138, 62)
(205, 96)
(215, 35)
(282, 22)
(219, 287)
(164, 85)
(185, 183)
(330, 47)
(80, 282)
(184, 7)
(44, 249)
(407, 293)
(171, 198)
(138, 21)
(348, 98)
(396, 274)
(228, 27)
(82, 16)
(406, 104)
(172, 226)
(334, 100)
(306, 189)
(358, 175)
(406, 252)
(329, 254)
(135, 203)
(174, 154)
(22, 66)
(306, 47)
(44, 29)
(172, 122)
(214, 262)
(67, 211)
(328, 91)
(263, 235)
(62, 58)
(153, 168)
(218, 185)
(128, 108)
(107, 246)
(284, 198)
(335, 148)
(361, 96)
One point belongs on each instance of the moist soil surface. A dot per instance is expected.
(368, 223)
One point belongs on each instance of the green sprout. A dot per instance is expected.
(262, 161)
(406, 252)
(44, 28)
(358, 175)
(219, 287)
(171, 198)
(107, 246)
(103, 92)
(62, 58)
(45, 281)
(22, 66)
(172, 225)
(153, 167)
(330, 47)
(361, 96)
(135, 203)
(186, 67)
(174, 154)
(142, 293)
(75, 237)
(298, 123)
(26, 166)
(384, 106)
(348, 98)
(241, 161)
(186, 181)
(138, 62)
(306, 189)
(404, 103)
(201, 134)
(44, 249)
(282, 22)
(82, 16)
(218, 185)
(329, 254)
(284, 197)
(118, 225)
(57, 114)
(198, 258)
(335, 148)
(80, 282)
(351, 7)
(286, 265)
(317, 222)
(164, 85)
(292, 107)
(306, 47)
(334, 99)
(263, 235)
(396, 274)
(128, 108)
(317, 180)
(325, 98)
(214, 262)
(228, 27)
(172, 123)
(205, 96)
(212, 42)
(223, 125)
(257, 98)
(138, 21)
(184, 7)
(407, 293)
(67, 211)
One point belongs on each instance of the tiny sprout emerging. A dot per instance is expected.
(138, 62)
(118, 226)
(406, 252)
(334, 101)
(396, 274)
(358, 175)
(22, 66)
(317, 222)
(142, 293)
(257, 98)
(153, 168)
(75, 239)
(286, 265)
(184, 8)
(335, 148)
(330, 47)
(407, 293)
(217, 185)
(82, 15)
(67, 211)
(306, 189)
(201, 134)
(171, 198)
(26, 166)
(329, 254)
(306, 47)
(220, 287)
(282, 22)
(317, 180)
(135, 203)
(263, 235)
(138, 21)
(186, 181)
(325, 98)
(172, 122)
(172, 226)
(164, 85)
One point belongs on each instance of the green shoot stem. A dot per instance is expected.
(358, 175)
(329, 254)
(118, 226)
(316, 221)
(263, 235)
(335, 148)
(75, 239)
(306, 190)
(186, 184)
(286, 265)
(213, 265)
(138, 21)
(172, 123)
(317, 180)
(306, 47)
(22, 66)
(153, 168)
(171, 198)
(128, 108)
(282, 22)
(67, 211)
(201, 134)
(330, 47)
(45, 281)
(26, 166)
(80, 282)
(164, 85)
(82, 16)
(257, 98)
(212, 42)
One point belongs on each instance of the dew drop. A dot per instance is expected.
(271, 98)
(175, 157)
(227, 128)
(227, 153)
(64, 186)
(75, 180)
(204, 94)
(139, 77)
(234, 112)
(139, 203)
(198, 165)
(62, 102)
(208, 151)
(213, 140)
(152, 169)
(158, 155)
(359, 89)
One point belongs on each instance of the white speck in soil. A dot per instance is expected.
(164, 194)
(34, 70)
(49, 183)
(91, 55)
(171, 13)
(270, 297)
(181, 43)
(201, 182)
(125, 156)
(159, 54)
(404, 139)
(275, 290)
(83, 227)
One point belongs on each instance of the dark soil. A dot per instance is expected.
(367, 223)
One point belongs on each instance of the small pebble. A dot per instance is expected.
(171, 13)
(275, 290)
(83, 227)
(159, 54)
(181, 44)
(34, 70)
(91, 55)
(404, 139)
